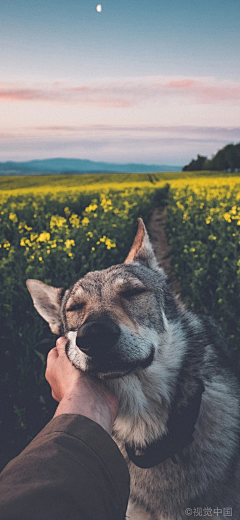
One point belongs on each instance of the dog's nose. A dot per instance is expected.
(97, 337)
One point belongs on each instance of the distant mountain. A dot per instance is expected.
(68, 166)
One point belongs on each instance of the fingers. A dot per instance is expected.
(60, 345)
(57, 351)
(53, 355)
(51, 359)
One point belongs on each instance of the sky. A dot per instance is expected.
(147, 81)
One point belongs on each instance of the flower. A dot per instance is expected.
(57, 222)
(13, 217)
(85, 221)
(69, 243)
(44, 237)
(91, 207)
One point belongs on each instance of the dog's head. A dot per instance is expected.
(111, 318)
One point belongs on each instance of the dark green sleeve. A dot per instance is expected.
(72, 470)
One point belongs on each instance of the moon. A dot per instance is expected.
(99, 8)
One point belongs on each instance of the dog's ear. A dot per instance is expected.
(47, 301)
(141, 250)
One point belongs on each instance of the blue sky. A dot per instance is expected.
(148, 81)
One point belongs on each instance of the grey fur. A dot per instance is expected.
(161, 352)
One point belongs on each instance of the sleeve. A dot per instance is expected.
(72, 470)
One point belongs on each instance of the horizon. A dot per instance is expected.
(85, 160)
(141, 82)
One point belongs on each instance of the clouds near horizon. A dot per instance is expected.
(126, 92)
(174, 145)
(142, 119)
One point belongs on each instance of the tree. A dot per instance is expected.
(195, 164)
(227, 159)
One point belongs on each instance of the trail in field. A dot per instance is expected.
(156, 230)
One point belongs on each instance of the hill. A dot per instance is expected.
(62, 165)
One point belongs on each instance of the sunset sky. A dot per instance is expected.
(148, 81)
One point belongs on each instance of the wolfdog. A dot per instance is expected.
(179, 403)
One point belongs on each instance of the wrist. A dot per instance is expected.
(100, 413)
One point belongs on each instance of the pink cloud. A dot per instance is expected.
(207, 91)
(181, 84)
(7, 93)
(214, 94)
(126, 92)
(102, 96)
(78, 89)
(208, 130)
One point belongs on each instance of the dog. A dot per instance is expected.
(179, 402)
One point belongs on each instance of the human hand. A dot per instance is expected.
(62, 376)
(77, 392)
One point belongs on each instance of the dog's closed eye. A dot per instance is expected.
(76, 307)
(135, 291)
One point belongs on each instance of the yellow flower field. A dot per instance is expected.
(204, 231)
(57, 228)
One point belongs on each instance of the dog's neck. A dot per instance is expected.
(180, 434)
(146, 397)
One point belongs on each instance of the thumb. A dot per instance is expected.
(60, 345)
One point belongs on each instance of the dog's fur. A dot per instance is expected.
(159, 353)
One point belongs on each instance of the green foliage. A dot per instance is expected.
(160, 196)
(227, 159)
(204, 232)
(196, 164)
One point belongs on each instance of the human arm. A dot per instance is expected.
(72, 469)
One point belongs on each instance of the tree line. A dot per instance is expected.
(227, 159)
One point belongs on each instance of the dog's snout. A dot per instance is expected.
(97, 337)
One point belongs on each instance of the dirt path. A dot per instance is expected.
(156, 229)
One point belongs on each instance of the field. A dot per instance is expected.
(56, 228)
(92, 181)
(203, 228)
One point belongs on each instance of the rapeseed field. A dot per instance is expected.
(57, 228)
(203, 228)
(54, 236)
